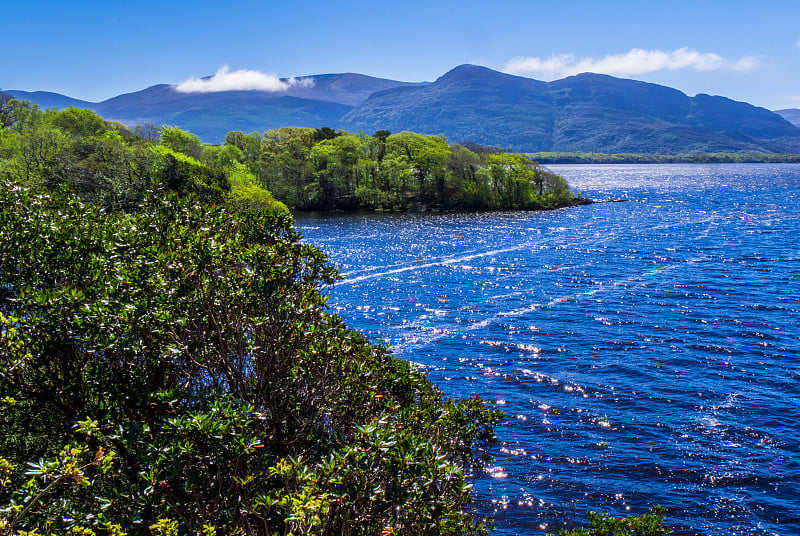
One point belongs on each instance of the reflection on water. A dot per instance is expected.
(644, 352)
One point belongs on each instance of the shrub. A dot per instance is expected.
(603, 524)
(174, 371)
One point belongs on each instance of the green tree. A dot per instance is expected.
(428, 156)
(79, 122)
(252, 147)
(324, 133)
(246, 192)
(181, 141)
(35, 151)
(396, 177)
(283, 164)
(235, 138)
(184, 174)
(221, 157)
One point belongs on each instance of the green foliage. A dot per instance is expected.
(100, 160)
(103, 162)
(235, 139)
(80, 123)
(173, 370)
(303, 168)
(246, 192)
(184, 174)
(222, 156)
(324, 170)
(602, 524)
(181, 141)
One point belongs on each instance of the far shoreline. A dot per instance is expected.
(552, 158)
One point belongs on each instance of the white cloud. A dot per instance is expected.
(241, 80)
(636, 62)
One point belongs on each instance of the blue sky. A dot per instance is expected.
(94, 50)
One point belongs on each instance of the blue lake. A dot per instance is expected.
(645, 352)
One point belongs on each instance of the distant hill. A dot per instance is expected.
(347, 88)
(587, 113)
(47, 99)
(211, 115)
(468, 103)
(583, 113)
(790, 114)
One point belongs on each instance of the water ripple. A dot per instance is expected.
(645, 352)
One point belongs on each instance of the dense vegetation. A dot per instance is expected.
(177, 365)
(307, 169)
(168, 366)
(323, 169)
(106, 163)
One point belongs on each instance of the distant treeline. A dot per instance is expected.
(307, 169)
(692, 158)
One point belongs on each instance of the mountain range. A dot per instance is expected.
(584, 113)
(790, 114)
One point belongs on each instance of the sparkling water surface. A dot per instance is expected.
(645, 352)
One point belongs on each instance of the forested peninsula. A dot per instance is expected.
(304, 168)
(167, 362)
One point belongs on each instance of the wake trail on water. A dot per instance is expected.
(444, 261)
(351, 277)
(440, 330)
(639, 279)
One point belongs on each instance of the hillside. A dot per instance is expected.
(212, 115)
(790, 114)
(322, 102)
(583, 113)
(468, 103)
(48, 99)
(587, 112)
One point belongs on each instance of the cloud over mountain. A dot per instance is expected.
(635, 62)
(241, 80)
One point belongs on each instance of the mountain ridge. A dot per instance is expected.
(790, 114)
(588, 112)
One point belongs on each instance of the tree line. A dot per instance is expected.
(303, 168)
(322, 169)
(107, 163)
